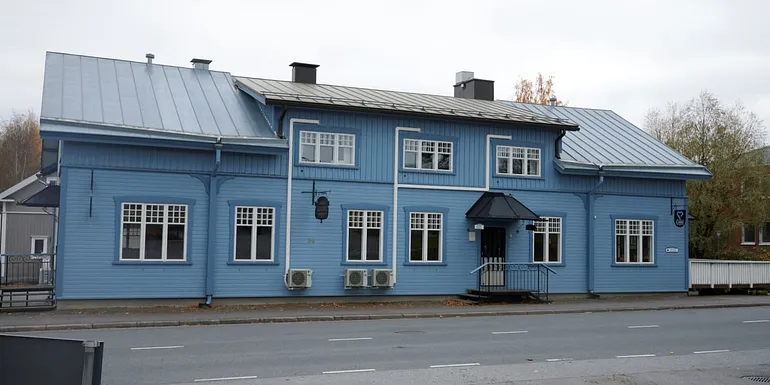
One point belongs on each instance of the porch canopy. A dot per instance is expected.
(47, 197)
(499, 206)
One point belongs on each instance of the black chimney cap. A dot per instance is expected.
(304, 65)
(303, 72)
(201, 61)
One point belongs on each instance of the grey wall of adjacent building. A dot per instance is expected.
(22, 226)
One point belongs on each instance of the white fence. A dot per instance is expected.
(708, 273)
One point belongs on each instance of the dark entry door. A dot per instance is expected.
(493, 251)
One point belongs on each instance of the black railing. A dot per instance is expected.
(27, 281)
(514, 278)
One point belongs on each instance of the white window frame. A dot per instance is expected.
(366, 224)
(627, 243)
(437, 150)
(744, 242)
(142, 231)
(424, 227)
(259, 216)
(38, 238)
(316, 135)
(499, 153)
(544, 226)
(762, 234)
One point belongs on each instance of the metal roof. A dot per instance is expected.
(496, 205)
(118, 96)
(606, 139)
(287, 92)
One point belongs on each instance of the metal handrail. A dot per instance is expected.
(476, 270)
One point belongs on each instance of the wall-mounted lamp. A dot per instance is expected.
(322, 209)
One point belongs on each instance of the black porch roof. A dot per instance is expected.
(496, 205)
(47, 197)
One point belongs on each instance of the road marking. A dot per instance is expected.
(455, 365)
(158, 347)
(224, 379)
(712, 351)
(350, 339)
(636, 356)
(758, 321)
(643, 326)
(558, 359)
(512, 332)
(349, 371)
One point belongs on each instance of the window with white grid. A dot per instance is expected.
(547, 240)
(365, 237)
(427, 155)
(425, 237)
(634, 241)
(153, 232)
(327, 148)
(518, 161)
(254, 233)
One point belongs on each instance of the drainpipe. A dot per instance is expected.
(3, 225)
(557, 144)
(290, 174)
(212, 224)
(394, 222)
(280, 123)
(590, 229)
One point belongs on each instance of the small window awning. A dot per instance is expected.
(47, 197)
(499, 206)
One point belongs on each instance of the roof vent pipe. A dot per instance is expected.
(552, 100)
(149, 57)
(200, 64)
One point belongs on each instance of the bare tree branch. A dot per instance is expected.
(20, 147)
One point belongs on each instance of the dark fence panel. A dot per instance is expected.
(37, 360)
(27, 270)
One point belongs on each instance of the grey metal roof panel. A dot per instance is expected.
(393, 101)
(115, 93)
(605, 138)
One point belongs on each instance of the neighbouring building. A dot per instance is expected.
(192, 183)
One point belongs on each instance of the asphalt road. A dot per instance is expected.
(368, 350)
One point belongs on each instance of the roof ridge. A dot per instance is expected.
(127, 61)
(568, 107)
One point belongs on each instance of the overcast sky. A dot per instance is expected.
(626, 56)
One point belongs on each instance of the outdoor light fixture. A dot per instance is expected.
(322, 208)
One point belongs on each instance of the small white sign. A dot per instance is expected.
(672, 250)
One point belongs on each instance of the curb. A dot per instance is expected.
(352, 317)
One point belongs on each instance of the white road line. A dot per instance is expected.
(349, 371)
(512, 332)
(643, 326)
(455, 365)
(558, 359)
(158, 347)
(636, 356)
(758, 321)
(712, 351)
(350, 339)
(224, 379)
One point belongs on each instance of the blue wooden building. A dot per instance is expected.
(185, 182)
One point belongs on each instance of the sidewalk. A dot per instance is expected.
(183, 316)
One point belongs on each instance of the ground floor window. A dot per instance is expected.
(425, 237)
(364, 236)
(153, 232)
(547, 240)
(748, 235)
(634, 241)
(39, 245)
(254, 233)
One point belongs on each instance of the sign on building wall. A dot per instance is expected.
(680, 217)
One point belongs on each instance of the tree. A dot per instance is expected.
(20, 146)
(538, 92)
(727, 140)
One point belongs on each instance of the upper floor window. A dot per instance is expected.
(634, 241)
(153, 232)
(327, 148)
(547, 240)
(518, 161)
(254, 233)
(364, 236)
(427, 155)
(425, 235)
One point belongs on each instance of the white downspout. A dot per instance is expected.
(394, 225)
(290, 173)
(489, 146)
(3, 225)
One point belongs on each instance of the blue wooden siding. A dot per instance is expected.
(87, 251)
(668, 272)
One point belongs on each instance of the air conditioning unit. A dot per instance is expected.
(300, 278)
(356, 278)
(382, 277)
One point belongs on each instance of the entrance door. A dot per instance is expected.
(493, 251)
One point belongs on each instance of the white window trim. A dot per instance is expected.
(761, 233)
(364, 237)
(525, 161)
(143, 225)
(743, 235)
(335, 156)
(44, 238)
(435, 153)
(547, 234)
(254, 226)
(425, 231)
(627, 244)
